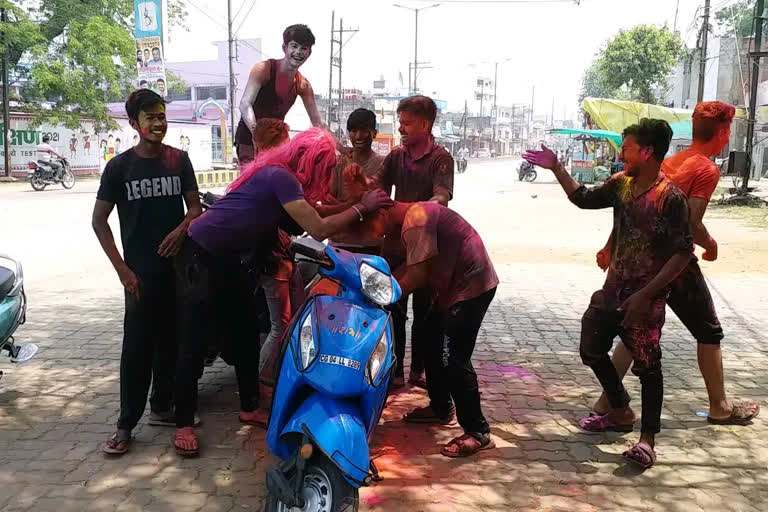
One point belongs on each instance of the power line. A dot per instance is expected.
(577, 2)
(253, 3)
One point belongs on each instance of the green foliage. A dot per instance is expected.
(634, 64)
(736, 19)
(82, 55)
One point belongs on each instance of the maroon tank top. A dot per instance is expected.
(269, 104)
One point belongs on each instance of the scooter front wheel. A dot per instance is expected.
(324, 490)
(531, 176)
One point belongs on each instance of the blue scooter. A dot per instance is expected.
(13, 310)
(335, 365)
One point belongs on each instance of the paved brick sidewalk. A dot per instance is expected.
(57, 410)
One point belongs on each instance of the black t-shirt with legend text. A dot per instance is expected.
(148, 193)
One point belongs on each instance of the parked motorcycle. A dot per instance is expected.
(461, 164)
(334, 371)
(13, 310)
(527, 172)
(42, 175)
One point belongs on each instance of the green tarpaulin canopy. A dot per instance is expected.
(598, 134)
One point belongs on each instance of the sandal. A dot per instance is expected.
(469, 444)
(185, 434)
(258, 418)
(641, 454)
(742, 414)
(119, 443)
(604, 423)
(428, 416)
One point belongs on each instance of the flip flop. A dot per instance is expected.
(602, 423)
(255, 423)
(640, 455)
(119, 443)
(742, 414)
(465, 449)
(185, 433)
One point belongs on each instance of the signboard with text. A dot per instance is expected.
(150, 61)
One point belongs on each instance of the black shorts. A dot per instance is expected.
(690, 300)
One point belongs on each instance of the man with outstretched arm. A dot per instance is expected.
(272, 88)
(652, 245)
(697, 176)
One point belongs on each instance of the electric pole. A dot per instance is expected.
(703, 54)
(232, 88)
(336, 61)
(465, 123)
(330, 77)
(6, 103)
(495, 106)
(755, 57)
(415, 89)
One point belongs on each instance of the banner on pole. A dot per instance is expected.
(150, 61)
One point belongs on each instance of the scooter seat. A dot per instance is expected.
(7, 279)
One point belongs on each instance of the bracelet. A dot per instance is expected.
(358, 212)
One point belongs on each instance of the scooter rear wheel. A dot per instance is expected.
(531, 176)
(324, 490)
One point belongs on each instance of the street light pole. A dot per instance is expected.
(414, 90)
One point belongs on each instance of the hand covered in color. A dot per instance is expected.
(545, 158)
(374, 200)
(603, 258)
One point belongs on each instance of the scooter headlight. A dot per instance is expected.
(378, 359)
(376, 285)
(307, 346)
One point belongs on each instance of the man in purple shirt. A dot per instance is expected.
(269, 196)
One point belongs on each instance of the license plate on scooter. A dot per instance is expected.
(340, 361)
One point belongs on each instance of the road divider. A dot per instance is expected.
(211, 179)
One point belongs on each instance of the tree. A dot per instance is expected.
(593, 85)
(736, 19)
(635, 64)
(81, 55)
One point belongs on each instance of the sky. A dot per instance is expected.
(546, 44)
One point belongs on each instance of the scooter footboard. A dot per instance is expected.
(336, 427)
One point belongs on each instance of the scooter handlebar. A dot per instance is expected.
(309, 252)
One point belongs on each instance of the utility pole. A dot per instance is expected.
(232, 88)
(340, 112)
(336, 61)
(495, 105)
(703, 54)
(530, 115)
(415, 89)
(755, 57)
(482, 98)
(465, 123)
(330, 77)
(6, 103)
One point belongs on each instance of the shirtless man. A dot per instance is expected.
(272, 89)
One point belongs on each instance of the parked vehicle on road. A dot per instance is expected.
(13, 310)
(334, 372)
(483, 153)
(527, 172)
(41, 175)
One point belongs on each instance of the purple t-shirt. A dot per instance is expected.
(247, 219)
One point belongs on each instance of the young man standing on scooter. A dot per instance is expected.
(272, 89)
(149, 184)
(420, 170)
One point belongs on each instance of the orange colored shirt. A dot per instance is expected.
(693, 173)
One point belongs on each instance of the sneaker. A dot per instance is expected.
(418, 379)
(167, 419)
(428, 416)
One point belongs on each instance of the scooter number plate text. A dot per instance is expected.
(340, 361)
